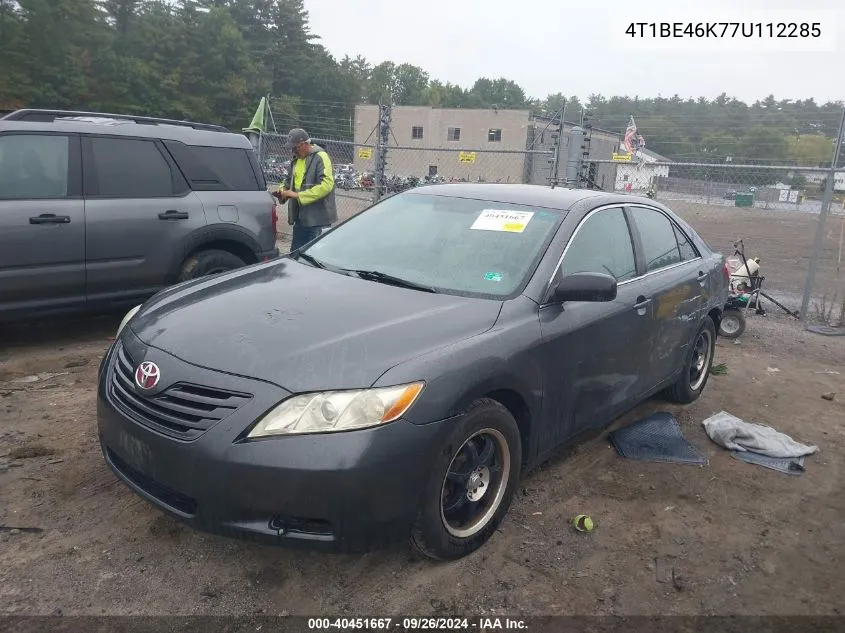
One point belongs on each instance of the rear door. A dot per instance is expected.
(592, 352)
(229, 182)
(42, 222)
(677, 277)
(139, 212)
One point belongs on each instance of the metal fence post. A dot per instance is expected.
(574, 156)
(825, 210)
(381, 151)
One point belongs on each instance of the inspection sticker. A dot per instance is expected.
(510, 221)
(493, 276)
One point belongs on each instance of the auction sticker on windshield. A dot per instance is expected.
(509, 221)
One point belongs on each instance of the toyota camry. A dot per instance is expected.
(393, 378)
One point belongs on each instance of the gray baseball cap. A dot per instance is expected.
(296, 136)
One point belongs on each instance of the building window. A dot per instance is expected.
(416, 132)
(453, 134)
(494, 136)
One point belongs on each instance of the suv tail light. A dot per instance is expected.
(274, 218)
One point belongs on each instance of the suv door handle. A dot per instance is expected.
(173, 215)
(641, 303)
(50, 218)
(701, 275)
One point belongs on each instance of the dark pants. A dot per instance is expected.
(304, 234)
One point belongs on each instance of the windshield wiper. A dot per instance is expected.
(375, 275)
(311, 260)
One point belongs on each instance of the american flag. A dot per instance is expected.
(633, 141)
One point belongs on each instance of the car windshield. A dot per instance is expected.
(454, 245)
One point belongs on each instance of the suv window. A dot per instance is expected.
(34, 166)
(215, 168)
(659, 235)
(130, 168)
(602, 245)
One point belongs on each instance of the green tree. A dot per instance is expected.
(497, 93)
(810, 150)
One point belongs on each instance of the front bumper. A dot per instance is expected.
(348, 492)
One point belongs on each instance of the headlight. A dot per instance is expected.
(338, 410)
(126, 320)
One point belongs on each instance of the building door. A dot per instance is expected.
(432, 171)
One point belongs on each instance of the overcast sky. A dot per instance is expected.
(550, 46)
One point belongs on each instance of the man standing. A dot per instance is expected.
(308, 189)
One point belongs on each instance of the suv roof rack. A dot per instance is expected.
(34, 114)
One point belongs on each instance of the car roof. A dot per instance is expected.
(118, 127)
(532, 195)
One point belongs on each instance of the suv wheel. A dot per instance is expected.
(471, 484)
(210, 262)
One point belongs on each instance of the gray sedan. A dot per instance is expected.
(394, 378)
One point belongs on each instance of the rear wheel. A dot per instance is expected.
(210, 262)
(696, 369)
(471, 484)
(732, 324)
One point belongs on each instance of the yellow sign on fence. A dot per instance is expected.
(622, 158)
(466, 157)
(365, 152)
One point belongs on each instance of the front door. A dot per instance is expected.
(592, 352)
(42, 223)
(140, 212)
(677, 280)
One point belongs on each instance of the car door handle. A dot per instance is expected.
(173, 215)
(701, 275)
(50, 218)
(641, 303)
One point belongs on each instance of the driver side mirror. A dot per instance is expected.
(594, 287)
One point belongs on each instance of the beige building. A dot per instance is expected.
(450, 142)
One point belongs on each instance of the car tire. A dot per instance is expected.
(696, 371)
(210, 262)
(468, 483)
(732, 324)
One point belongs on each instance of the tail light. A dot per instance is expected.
(274, 218)
(726, 271)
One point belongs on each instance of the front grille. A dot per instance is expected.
(184, 411)
(175, 500)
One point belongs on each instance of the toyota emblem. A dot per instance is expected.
(147, 375)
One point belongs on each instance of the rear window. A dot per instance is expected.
(215, 168)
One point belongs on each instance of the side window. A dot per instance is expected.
(660, 244)
(602, 245)
(33, 166)
(131, 168)
(231, 165)
(687, 249)
(214, 168)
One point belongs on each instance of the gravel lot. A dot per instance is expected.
(740, 539)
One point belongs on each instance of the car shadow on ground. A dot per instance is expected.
(60, 331)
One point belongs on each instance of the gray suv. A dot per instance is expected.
(99, 210)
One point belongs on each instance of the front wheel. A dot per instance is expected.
(732, 324)
(697, 366)
(471, 484)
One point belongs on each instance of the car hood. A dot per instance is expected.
(303, 328)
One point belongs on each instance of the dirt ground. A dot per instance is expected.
(728, 538)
